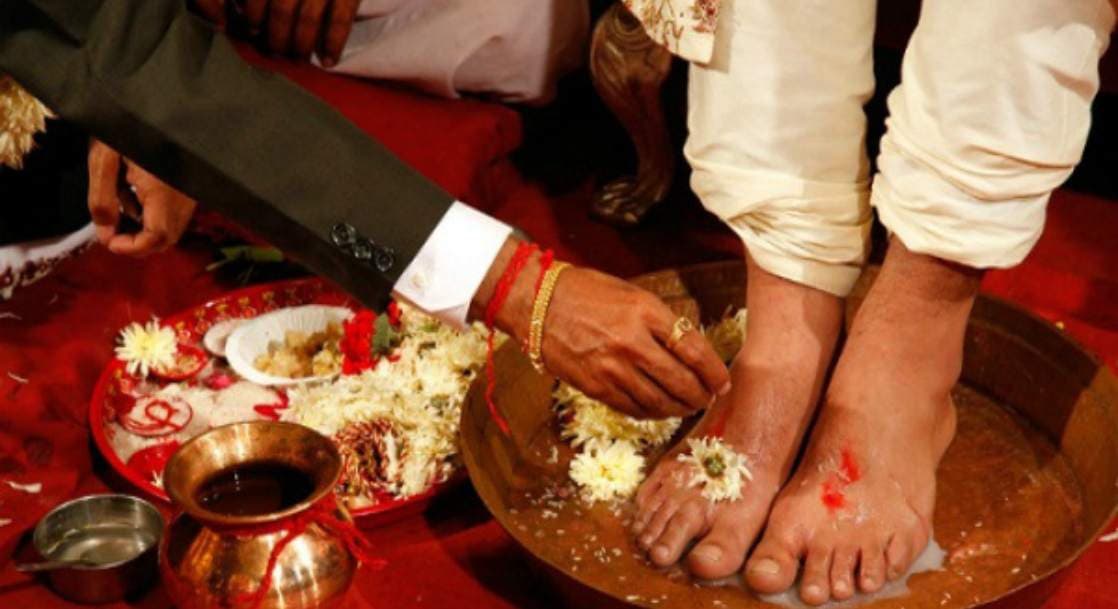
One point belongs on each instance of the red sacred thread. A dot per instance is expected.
(519, 260)
(324, 514)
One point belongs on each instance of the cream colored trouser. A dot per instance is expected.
(991, 116)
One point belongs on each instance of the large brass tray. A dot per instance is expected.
(1027, 485)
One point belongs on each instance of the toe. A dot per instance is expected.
(647, 506)
(815, 587)
(683, 527)
(657, 523)
(772, 566)
(871, 568)
(898, 555)
(722, 551)
(842, 572)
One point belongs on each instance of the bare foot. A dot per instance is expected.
(777, 379)
(862, 499)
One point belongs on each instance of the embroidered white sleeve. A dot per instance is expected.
(448, 269)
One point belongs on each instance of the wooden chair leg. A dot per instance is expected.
(628, 70)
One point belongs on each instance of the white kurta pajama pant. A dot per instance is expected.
(991, 115)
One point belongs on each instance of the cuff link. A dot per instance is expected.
(347, 239)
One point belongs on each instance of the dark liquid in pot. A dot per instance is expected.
(253, 489)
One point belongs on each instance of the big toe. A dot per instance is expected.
(722, 551)
(772, 567)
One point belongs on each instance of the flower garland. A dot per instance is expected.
(21, 117)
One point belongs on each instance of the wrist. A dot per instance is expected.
(513, 315)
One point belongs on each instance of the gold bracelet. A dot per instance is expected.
(539, 313)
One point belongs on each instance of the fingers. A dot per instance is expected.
(104, 204)
(693, 350)
(342, 14)
(281, 22)
(652, 399)
(308, 26)
(166, 216)
(676, 378)
(213, 10)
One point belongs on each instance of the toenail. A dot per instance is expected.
(709, 553)
(725, 389)
(765, 566)
(867, 582)
(813, 591)
(841, 588)
(646, 540)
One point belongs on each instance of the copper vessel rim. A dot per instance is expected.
(323, 486)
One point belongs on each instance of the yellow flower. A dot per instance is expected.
(607, 471)
(146, 347)
(719, 469)
(21, 117)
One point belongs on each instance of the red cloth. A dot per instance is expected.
(455, 555)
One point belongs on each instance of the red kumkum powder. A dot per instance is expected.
(848, 473)
(832, 496)
(849, 468)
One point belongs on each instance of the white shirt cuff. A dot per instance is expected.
(446, 273)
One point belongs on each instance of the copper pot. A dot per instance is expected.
(208, 561)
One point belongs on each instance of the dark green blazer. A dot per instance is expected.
(166, 90)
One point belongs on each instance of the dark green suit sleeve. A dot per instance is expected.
(164, 89)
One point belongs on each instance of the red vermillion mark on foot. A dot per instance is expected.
(832, 496)
(848, 473)
(849, 469)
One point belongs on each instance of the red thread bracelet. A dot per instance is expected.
(519, 260)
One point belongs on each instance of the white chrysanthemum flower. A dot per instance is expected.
(719, 469)
(585, 420)
(21, 117)
(607, 471)
(144, 348)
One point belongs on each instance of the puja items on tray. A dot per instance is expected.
(387, 389)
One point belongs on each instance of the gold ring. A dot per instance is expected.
(680, 329)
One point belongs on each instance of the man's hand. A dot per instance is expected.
(166, 211)
(294, 27)
(610, 339)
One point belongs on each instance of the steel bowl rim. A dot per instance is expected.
(37, 532)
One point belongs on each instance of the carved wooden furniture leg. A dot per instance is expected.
(628, 69)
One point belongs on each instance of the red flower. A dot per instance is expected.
(394, 313)
(357, 342)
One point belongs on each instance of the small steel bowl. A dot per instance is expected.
(119, 534)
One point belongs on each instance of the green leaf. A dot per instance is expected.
(385, 337)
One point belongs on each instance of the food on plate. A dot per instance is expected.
(303, 354)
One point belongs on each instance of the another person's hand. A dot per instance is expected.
(166, 212)
(610, 339)
(294, 27)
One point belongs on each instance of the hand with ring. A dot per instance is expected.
(618, 343)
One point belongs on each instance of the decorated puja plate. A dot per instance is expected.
(1027, 485)
(392, 410)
